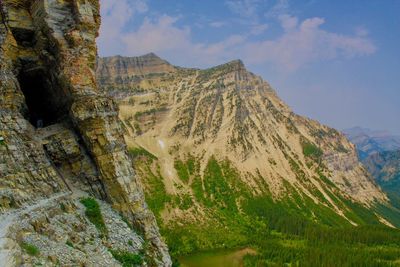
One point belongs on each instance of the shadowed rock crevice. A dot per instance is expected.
(24, 37)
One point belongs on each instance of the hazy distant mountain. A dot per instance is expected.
(380, 153)
(369, 141)
(385, 167)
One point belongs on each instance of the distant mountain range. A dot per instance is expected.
(369, 141)
(379, 151)
(385, 167)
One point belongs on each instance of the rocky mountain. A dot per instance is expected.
(125, 68)
(69, 195)
(369, 142)
(385, 167)
(216, 145)
(379, 152)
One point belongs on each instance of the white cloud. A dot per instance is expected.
(162, 36)
(244, 8)
(305, 43)
(115, 15)
(288, 22)
(279, 8)
(157, 36)
(361, 31)
(258, 29)
(300, 43)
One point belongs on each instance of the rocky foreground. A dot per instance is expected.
(68, 192)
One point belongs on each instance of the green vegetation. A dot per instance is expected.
(322, 246)
(156, 195)
(128, 223)
(291, 231)
(141, 152)
(183, 240)
(182, 170)
(30, 249)
(69, 243)
(62, 207)
(312, 151)
(94, 215)
(185, 202)
(127, 259)
(222, 186)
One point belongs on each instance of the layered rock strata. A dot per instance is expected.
(231, 114)
(47, 57)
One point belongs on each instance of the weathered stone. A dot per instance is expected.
(47, 79)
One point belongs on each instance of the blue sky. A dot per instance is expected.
(334, 61)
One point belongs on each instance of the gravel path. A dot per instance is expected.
(7, 219)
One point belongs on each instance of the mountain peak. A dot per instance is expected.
(236, 64)
(133, 66)
(231, 66)
(151, 55)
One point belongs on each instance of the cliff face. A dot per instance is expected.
(59, 135)
(125, 67)
(191, 116)
(118, 75)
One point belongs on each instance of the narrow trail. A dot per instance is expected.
(9, 218)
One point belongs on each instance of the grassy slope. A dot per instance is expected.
(292, 230)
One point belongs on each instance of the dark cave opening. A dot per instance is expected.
(46, 103)
(24, 37)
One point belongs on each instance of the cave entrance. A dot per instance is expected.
(46, 103)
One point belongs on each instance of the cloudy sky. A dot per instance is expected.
(334, 61)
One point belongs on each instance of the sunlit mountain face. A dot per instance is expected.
(221, 157)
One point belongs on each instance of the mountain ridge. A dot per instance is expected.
(379, 152)
(226, 163)
(230, 112)
(369, 141)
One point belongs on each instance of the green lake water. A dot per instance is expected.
(216, 259)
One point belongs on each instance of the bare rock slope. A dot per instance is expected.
(229, 114)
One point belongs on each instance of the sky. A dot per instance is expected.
(334, 61)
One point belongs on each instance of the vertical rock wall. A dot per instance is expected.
(54, 41)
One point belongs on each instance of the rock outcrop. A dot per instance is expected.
(125, 67)
(47, 77)
(120, 75)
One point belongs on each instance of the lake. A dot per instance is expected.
(222, 258)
